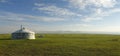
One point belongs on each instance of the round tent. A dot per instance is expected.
(23, 33)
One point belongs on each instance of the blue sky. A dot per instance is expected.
(60, 15)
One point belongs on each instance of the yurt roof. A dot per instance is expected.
(23, 30)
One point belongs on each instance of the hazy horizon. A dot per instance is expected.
(60, 15)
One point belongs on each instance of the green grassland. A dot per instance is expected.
(62, 45)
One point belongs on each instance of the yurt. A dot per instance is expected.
(23, 33)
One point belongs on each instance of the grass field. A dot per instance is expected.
(62, 45)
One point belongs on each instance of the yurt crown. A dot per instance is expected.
(22, 28)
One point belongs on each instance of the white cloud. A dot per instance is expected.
(100, 13)
(3, 1)
(97, 14)
(96, 9)
(89, 19)
(8, 16)
(55, 11)
(81, 25)
(114, 10)
(97, 3)
(38, 4)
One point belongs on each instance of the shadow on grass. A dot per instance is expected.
(5, 39)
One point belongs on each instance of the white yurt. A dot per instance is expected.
(23, 33)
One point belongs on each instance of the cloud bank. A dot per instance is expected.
(73, 15)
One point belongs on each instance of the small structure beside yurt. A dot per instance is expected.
(23, 33)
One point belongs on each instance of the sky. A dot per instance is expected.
(60, 15)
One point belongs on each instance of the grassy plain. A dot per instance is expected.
(62, 45)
